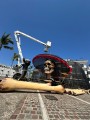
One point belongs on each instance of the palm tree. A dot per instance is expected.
(15, 57)
(5, 40)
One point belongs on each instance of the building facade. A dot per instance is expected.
(83, 64)
(6, 71)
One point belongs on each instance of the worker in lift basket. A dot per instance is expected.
(24, 66)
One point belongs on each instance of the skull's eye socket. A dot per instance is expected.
(45, 64)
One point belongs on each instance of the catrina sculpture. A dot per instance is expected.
(53, 67)
(49, 67)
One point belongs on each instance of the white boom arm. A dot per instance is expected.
(17, 33)
(21, 33)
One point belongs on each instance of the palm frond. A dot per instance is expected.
(5, 39)
(8, 47)
(10, 41)
(5, 35)
(16, 56)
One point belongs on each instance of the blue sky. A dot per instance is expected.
(66, 23)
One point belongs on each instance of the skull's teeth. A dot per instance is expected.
(46, 69)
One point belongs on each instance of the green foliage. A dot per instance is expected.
(7, 47)
(5, 40)
(15, 57)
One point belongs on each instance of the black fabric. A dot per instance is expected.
(25, 65)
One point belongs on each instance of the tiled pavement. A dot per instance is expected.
(34, 105)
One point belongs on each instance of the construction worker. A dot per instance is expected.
(24, 66)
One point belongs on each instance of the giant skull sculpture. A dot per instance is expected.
(48, 67)
(48, 70)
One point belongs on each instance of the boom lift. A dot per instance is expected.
(21, 59)
(17, 37)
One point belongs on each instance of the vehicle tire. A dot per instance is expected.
(16, 76)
